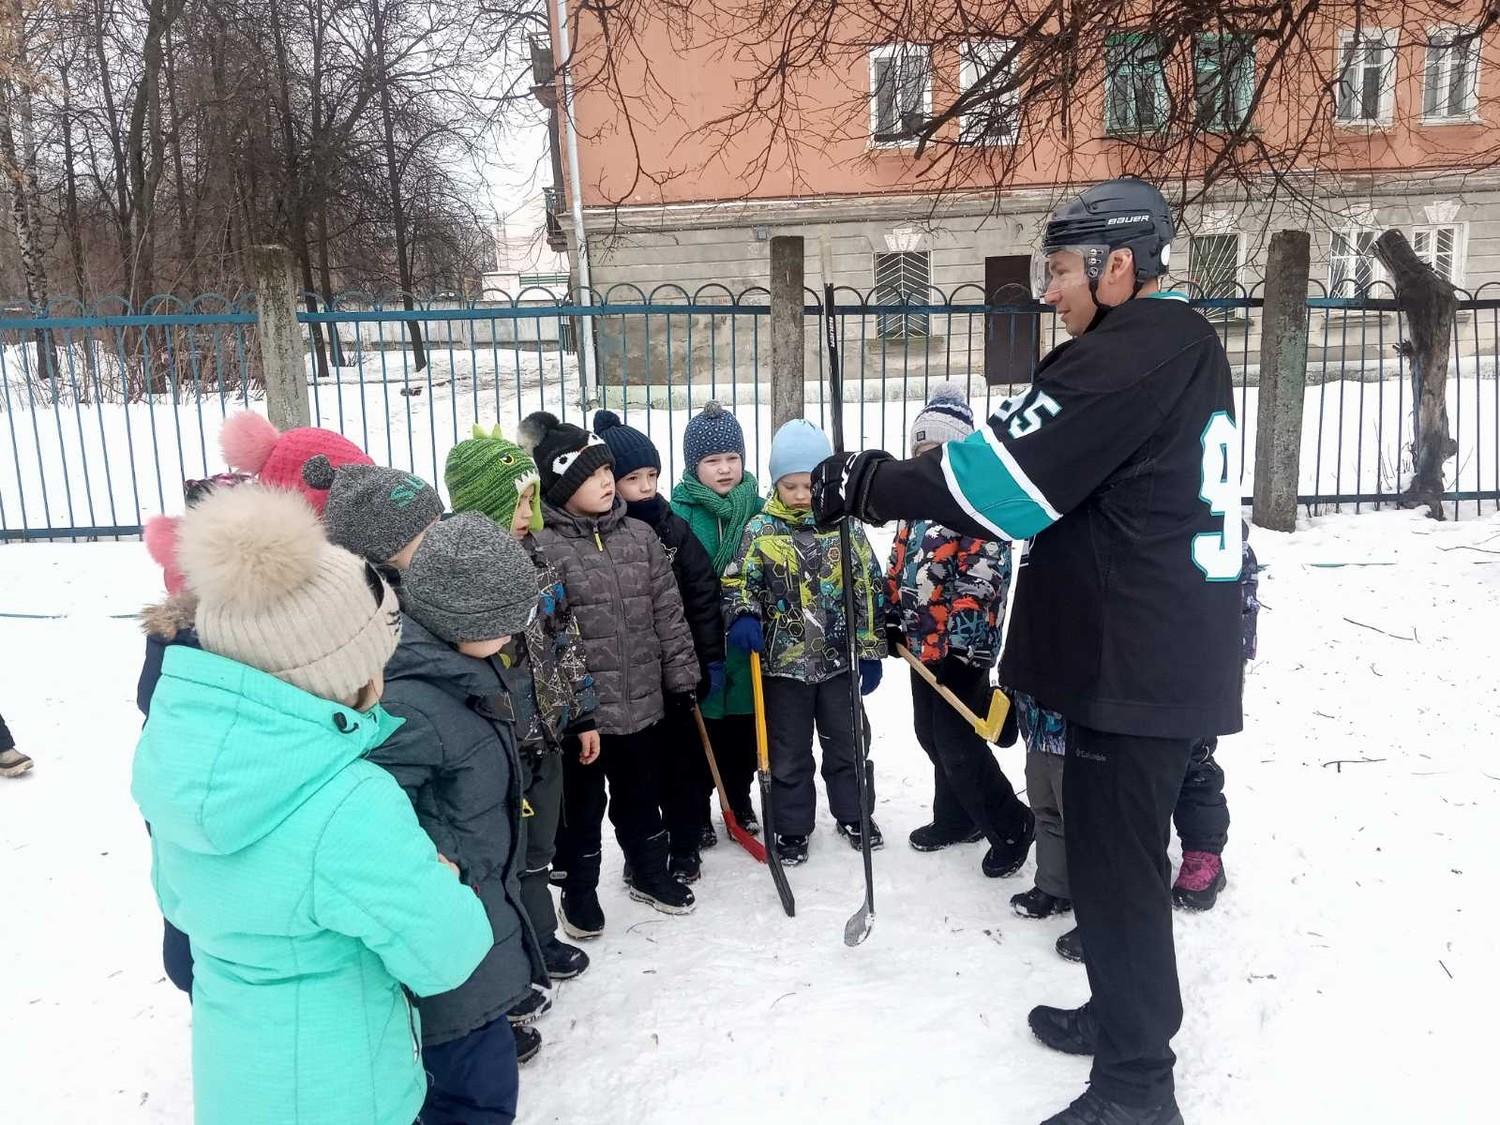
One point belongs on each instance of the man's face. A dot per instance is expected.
(1068, 287)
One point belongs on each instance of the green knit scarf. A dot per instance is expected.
(717, 521)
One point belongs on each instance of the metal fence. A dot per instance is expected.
(107, 410)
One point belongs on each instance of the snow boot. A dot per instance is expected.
(650, 881)
(528, 1043)
(1199, 881)
(791, 850)
(1070, 946)
(708, 839)
(531, 1009)
(850, 832)
(1037, 903)
(581, 915)
(13, 763)
(1001, 863)
(563, 961)
(1095, 1109)
(1073, 1031)
(933, 838)
(685, 868)
(748, 820)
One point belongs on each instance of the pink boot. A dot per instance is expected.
(1199, 881)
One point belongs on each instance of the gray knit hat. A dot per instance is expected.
(946, 417)
(273, 593)
(371, 510)
(470, 581)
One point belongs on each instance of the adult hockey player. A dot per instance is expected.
(1121, 465)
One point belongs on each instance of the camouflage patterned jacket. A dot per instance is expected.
(788, 574)
(947, 593)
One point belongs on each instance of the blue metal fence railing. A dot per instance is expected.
(107, 409)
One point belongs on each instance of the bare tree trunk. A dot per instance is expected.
(70, 187)
(1429, 304)
(393, 180)
(325, 282)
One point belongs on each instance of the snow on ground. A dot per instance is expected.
(1347, 975)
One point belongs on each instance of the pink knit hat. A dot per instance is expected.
(254, 445)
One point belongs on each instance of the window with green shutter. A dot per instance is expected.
(1136, 90)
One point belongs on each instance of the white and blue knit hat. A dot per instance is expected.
(714, 430)
(946, 417)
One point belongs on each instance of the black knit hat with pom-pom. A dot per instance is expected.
(566, 455)
(632, 449)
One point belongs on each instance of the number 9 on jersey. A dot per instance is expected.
(1218, 554)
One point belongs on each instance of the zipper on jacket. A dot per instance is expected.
(411, 1026)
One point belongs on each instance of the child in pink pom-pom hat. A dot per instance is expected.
(253, 445)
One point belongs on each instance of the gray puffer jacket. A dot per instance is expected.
(455, 757)
(629, 613)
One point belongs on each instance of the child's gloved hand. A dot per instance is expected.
(869, 676)
(895, 635)
(715, 677)
(746, 635)
(682, 701)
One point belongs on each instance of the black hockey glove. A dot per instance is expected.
(841, 487)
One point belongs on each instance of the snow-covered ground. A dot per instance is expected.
(1348, 974)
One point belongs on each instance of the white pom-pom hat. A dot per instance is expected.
(273, 593)
(946, 417)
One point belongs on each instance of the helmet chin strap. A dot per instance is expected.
(1101, 310)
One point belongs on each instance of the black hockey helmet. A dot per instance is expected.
(1120, 214)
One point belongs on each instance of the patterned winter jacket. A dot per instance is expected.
(546, 670)
(789, 576)
(1045, 731)
(947, 592)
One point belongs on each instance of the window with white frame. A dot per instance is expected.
(1450, 75)
(1214, 264)
(983, 65)
(900, 91)
(1367, 77)
(903, 277)
(1136, 91)
(1223, 80)
(1352, 266)
(1442, 249)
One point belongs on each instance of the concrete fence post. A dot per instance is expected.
(788, 329)
(1283, 381)
(281, 354)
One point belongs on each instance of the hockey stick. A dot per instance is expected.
(737, 831)
(763, 761)
(987, 728)
(860, 922)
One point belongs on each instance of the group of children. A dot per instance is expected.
(378, 732)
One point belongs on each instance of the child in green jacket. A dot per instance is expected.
(314, 899)
(784, 598)
(717, 498)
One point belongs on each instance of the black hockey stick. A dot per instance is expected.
(859, 924)
(767, 812)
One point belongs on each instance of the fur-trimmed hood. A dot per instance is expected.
(168, 618)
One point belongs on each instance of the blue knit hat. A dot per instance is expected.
(632, 449)
(797, 448)
(715, 430)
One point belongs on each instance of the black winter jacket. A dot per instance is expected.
(697, 580)
(455, 756)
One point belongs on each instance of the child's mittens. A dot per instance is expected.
(682, 702)
(746, 635)
(715, 677)
(895, 634)
(869, 676)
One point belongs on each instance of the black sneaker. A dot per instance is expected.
(1073, 1031)
(931, 838)
(1070, 946)
(563, 961)
(748, 820)
(708, 839)
(531, 1009)
(850, 832)
(528, 1043)
(1095, 1109)
(685, 868)
(791, 850)
(1003, 862)
(581, 915)
(1037, 903)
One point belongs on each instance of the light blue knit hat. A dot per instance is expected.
(797, 448)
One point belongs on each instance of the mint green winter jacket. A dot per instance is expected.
(309, 892)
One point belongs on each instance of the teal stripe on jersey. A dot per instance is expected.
(992, 489)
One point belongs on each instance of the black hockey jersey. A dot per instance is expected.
(1121, 464)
